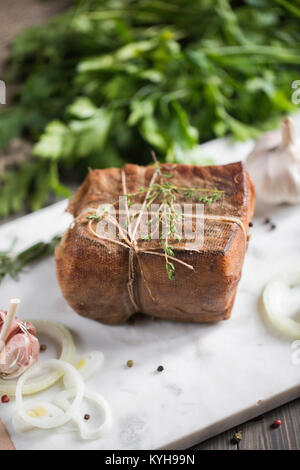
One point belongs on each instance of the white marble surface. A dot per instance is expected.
(215, 376)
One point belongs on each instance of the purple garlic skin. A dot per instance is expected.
(21, 348)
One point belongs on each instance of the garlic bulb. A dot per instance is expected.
(274, 165)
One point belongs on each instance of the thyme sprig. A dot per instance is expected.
(168, 192)
(13, 264)
(166, 217)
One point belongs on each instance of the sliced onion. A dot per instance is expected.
(272, 299)
(50, 422)
(62, 400)
(21, 426)
(57, 333)
(88, 365)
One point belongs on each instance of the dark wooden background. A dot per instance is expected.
(257, 434)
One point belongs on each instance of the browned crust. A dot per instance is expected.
(93, 275)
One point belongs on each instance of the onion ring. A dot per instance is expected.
(49, 422)
(21, 426)
(59, 334)
(62, 400)
(271, 301)
(88, 365)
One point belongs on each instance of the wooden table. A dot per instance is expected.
(259, 434)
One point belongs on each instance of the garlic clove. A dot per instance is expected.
(269, 140)
(288, 133)
(274, 165)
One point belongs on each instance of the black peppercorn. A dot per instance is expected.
(160, 368)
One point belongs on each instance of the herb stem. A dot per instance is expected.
(13, 264)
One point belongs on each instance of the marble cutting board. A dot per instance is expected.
(216, 376)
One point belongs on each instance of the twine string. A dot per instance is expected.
(130, 241)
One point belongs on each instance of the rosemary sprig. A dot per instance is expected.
(13, 264)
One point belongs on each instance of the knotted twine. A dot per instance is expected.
(130, 242)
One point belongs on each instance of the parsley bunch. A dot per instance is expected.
(108, 80)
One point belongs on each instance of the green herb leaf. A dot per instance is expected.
(13, 265)
(105, 81)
